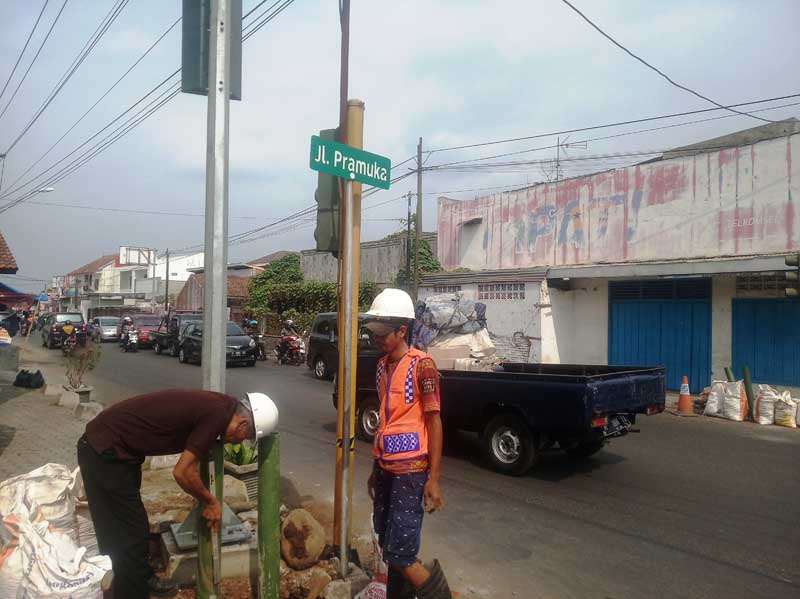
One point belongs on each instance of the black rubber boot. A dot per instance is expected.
(397, 587)
(162, 587)
(436, 586)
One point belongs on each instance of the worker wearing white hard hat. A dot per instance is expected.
(110, 454)
(408, 450)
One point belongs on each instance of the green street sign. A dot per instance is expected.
(344, 161)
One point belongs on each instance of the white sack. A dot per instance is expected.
(41, 495)
(765, 404)
(734, 403)
(715, 397)
(54, 567)
(786, 410)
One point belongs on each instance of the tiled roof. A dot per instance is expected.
(237, 286)
(270, 258)
(94, 265)
(8, 264)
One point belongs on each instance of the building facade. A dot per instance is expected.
(677, 262)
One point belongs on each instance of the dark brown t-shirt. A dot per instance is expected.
(162, 423)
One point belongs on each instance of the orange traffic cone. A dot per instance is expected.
(684, 399)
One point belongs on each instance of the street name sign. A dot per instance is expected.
(344, 161)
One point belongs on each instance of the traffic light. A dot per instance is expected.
(792, 276)
(327, 198)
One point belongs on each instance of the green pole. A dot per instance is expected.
(729, 374)
(748, 387)
(269, 520)
(207, 587)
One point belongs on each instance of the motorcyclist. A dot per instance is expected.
(127, 325)
(288, 330)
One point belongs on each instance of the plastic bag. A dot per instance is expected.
(714, 403)
(786, 410)
(765, 404)
(734, 403)
(377, 588)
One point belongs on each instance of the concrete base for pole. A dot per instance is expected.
(239, 560)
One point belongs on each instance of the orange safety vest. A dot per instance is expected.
(402, 434)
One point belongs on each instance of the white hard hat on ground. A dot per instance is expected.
(265, 414)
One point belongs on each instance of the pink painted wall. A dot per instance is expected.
(736, 202)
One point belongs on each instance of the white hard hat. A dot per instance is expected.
(265, 414)
(392, 303)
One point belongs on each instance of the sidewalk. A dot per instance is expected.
(33, 430)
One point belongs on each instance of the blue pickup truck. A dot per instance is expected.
(521, 410)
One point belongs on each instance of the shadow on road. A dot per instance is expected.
(6, 436)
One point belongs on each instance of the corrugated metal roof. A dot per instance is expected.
(515, 275)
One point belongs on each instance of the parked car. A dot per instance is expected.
(52, 325)
(322, 355)
(525, 409)
(240, 348)
(145, 324)
(105, 328)
(169, 334)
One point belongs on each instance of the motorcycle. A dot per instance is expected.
(291, 349)
(69, 340)
(261, 348)
(130, 342)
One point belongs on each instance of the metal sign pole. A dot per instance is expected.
(215, 264)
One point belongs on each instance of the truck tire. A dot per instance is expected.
(509, 445)
(157, 348)
(368, 418)
(586, 449)
(173, 349)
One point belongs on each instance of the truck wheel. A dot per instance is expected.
(586, 449)
(368, 417)
(509, 445)
(320, 368)
(157, 348)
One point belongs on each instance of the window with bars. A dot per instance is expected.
(446, 288)
(501, 291)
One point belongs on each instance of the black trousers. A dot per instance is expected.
(120, 520)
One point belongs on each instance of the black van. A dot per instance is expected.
(323, 349)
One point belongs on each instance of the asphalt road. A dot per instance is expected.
(691, 507)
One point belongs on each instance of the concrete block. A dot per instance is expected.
(87, 410)
(69, 399)
(239, 560)
(51, 390)
(9, 358)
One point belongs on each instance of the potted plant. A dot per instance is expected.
(241, 461)
(78, 363)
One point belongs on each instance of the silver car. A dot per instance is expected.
(105, 328)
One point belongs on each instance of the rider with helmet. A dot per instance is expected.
(127, 325)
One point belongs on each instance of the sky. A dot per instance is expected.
(453, 72)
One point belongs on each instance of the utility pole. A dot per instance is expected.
(166, 286)
(408, 245)
(415, 295)
(216, 258)
(558, 158)
(154, 260)
(349, 243)
(76, 292)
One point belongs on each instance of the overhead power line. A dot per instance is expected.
(94, 39)
(25, 47)
(119, 132)
(35, 56)
(100, 99)
(653, 68)
(129, 210)
(616, 124)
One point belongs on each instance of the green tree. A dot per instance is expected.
(427, 263)
(285, 271)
